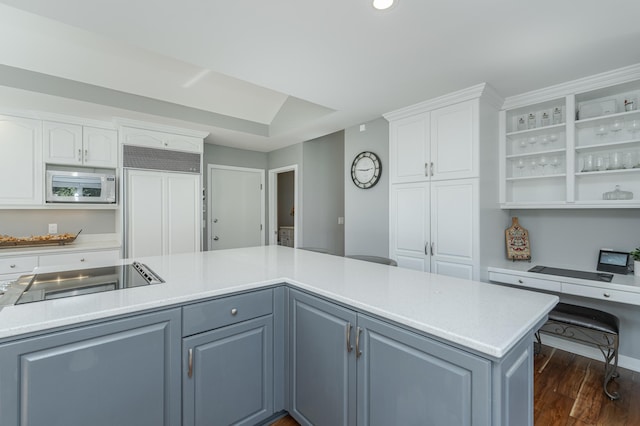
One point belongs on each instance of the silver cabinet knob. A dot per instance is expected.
(606, 295)
(82, 260)
(234, 311)
(13, 265)
(521, 282)
(216, 238)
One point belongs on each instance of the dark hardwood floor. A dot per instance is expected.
(568, 392)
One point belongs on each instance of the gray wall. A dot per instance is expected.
(367, 210)
(323, 188)
(23, 223)
(572, 238)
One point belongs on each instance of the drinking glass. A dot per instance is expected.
(588, 163)
(628, 160)
(543, 162)
(615, 161)
(601, 130)
(553, 138)
(533, 165)
(523, 144)
(601, 163)
(618, 124)
(520, 165)
(554, 163)
(634, 127)
(532, 140)
(544, 140)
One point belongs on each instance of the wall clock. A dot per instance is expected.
(366, 170)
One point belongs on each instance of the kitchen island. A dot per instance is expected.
(474, 337)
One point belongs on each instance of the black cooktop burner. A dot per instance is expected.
(595, 276)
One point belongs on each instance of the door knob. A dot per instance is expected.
(216, 238)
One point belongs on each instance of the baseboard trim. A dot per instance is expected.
(588, 351)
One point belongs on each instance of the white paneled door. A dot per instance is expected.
(236, 212)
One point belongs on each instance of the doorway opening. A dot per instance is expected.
(283, 206)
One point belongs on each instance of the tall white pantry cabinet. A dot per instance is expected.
(443, 168)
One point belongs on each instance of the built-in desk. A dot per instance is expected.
(620, 297)
(622, 289)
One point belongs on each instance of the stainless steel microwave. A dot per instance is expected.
(80, 187)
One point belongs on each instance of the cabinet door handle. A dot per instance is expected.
(79, 155)
(426, 169)
(426, 249)
(349, 347)
(86, 154)
(431, 249)
(234, 311)
(431, 167)
(358, 351)
(190, 372)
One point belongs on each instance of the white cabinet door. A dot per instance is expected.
(21, 161)
(453, 226)
(409, 225)
(161, 140)
(62, 143)
(100, 147)
(162, 213)
(145, 211)
(454, 148)
(409, 149)
(183, 143)
(183, 213)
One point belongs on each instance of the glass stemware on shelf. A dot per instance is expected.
(601, 130)
(634, 127)
(520, 165)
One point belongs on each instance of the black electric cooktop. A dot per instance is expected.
(595, 276)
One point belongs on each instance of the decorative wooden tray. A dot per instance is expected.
(517, 239)
(38, 240)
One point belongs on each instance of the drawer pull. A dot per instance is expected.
(520, 281)
(234, 311)
(82, 260)
(13, 265)
(606, 295)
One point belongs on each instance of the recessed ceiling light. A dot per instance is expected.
(383, 4)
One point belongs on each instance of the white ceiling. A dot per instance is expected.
(265, 74)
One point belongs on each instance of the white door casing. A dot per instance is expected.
(236, 211)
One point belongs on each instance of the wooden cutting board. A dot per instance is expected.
(517, 239)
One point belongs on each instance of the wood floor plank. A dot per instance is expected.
(589, 401)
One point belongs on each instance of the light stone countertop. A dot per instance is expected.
(483, 317)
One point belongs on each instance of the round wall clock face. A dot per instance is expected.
(366, 170)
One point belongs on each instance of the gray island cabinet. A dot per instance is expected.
(348, 368)
(241, 336)
(124, 372)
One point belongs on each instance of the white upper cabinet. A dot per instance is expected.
(21, 161)
(435, 145)
(575, 145)
(161, 140)
(409, 156)
(454, 141)
(72, 144)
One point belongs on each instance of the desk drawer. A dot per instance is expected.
(602, 293)
(18, 265)
(533, 283)
(225, 311)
